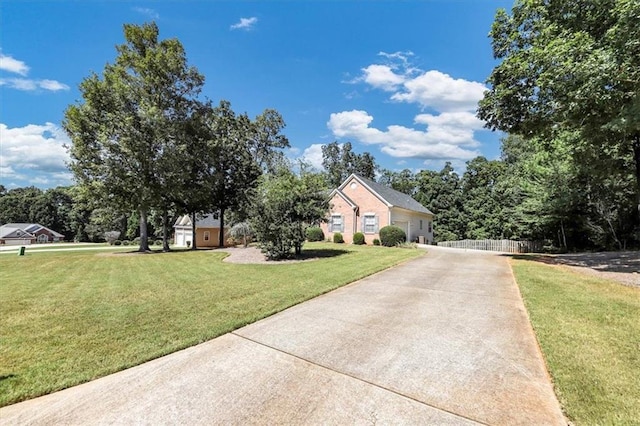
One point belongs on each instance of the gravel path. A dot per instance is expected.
(253, 255)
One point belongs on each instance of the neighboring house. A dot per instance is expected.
(361, 205)
(207, 230)
(27, 233)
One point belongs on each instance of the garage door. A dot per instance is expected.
(17, 242)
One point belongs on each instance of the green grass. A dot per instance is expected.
(70, 317)
(589, 331)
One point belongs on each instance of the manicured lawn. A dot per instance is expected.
(70, 317)
(589, 332)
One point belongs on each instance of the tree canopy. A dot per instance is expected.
(124, 133)
(570, 66)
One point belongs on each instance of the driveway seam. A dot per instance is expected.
(361, 380)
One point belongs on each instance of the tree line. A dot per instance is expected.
(146, 148)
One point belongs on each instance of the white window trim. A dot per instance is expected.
(340, 224)
(364, 223)
(207, 235)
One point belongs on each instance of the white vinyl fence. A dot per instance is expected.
(508, 246)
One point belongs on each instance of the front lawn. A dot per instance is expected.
(70, 317)
(589, 332)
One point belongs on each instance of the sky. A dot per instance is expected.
(398, 79)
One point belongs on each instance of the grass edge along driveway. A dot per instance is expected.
(71, 317)
(589, 332)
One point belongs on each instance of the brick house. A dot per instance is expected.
(27, 233)
(362, 205)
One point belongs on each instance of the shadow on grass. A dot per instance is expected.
(624, 261)
(319, 254)
(6, 376)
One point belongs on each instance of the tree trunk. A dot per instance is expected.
(144, 237)
(221, 234)
(193, 231)
(165, 231)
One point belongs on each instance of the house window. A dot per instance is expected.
(420, 224)
(206, 235)
(42, 238)
(336, 223)
(370, 224)
(429, 225)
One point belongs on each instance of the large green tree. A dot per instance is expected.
(232, 171)
(339, 162)
(124, 130)
(284, 206)
(570, 66)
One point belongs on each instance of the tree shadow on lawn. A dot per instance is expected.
(623, 262)
(318, 254)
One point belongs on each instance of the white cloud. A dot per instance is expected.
(448, 132)
(382, 77)
(434, 89)
(7, 63)
(441, 140)
(34, 153)
(245, 24)
(429, 89)
(148, 12)
(31, 85)
(313, 155)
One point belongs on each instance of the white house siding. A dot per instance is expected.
(410, 222)
(182, 236)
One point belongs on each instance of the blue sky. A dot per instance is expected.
(397, 79)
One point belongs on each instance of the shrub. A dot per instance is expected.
(111, 236)
(241, 231)
(136, 241)
(126, 242)
(337, 238)
(117, 243)
(314, 233)
(376, 242)
(358, 238)
(158, 242)
(391, 236)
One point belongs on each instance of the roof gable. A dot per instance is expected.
(388, 195)
(344, 197)
(207, 221)
(27, 228)
(10, 231)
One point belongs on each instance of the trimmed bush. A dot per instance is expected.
(117, 243)
(111, 236)
(337, 238)
(391, 236)
(358, 238)
(314, 233)
(126, 242)
(158, 242)
(376, 242)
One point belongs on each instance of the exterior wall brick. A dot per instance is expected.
(370, 204)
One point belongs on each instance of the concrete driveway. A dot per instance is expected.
(443, 339)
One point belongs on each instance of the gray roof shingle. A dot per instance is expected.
(395, 198)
